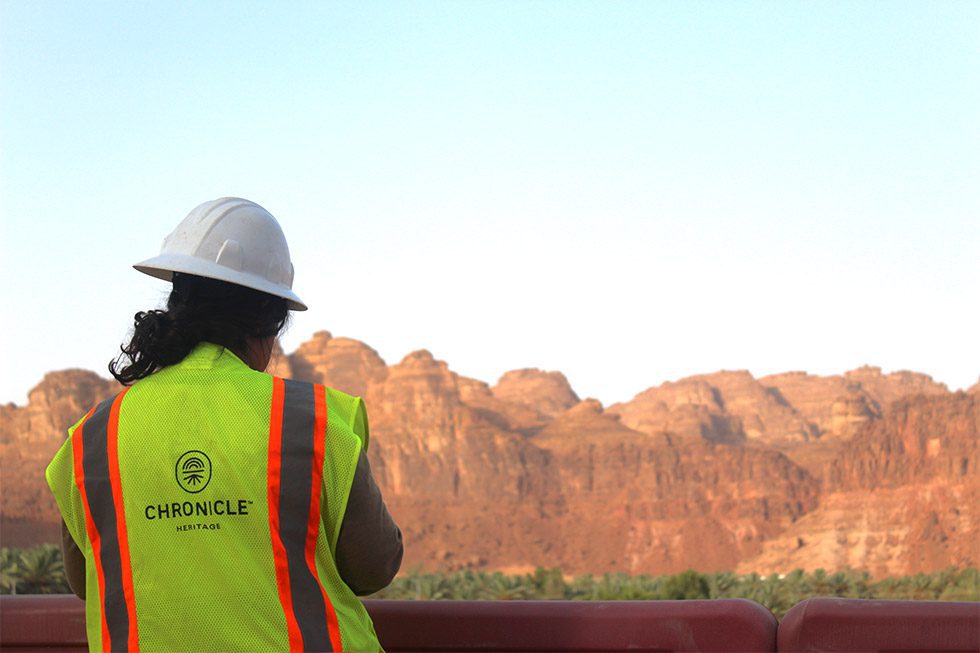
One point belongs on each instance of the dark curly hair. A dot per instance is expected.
(198, 310)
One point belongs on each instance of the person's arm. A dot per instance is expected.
(369, 547)
(74, 562)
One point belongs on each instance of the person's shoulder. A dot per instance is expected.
(348, 410)
(343, 405)
(101, 409)
(340, 396)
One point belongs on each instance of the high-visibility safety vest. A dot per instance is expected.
(207, 499)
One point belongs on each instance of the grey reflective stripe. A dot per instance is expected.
(98, 489)
(295, 489)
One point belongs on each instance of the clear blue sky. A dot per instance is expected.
(628, 192)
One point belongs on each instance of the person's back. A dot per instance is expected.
(208, 498)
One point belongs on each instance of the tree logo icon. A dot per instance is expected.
(193, 471)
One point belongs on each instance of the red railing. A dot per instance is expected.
(44, 623)
(854, 625)
(722, 625)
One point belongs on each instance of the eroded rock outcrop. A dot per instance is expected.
(723, 407)
(546, 392)
(838, 406)
(466, 491)
(886, 389)
(900, 497)
(662, 504)
(717, 471)
(920, 440)
(688, 408)
(343, 363)
(29, 437)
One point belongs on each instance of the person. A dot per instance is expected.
(209, 505)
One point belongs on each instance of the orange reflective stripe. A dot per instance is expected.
(313, 523)
(123, 537)
(297, 437)
(275, 481)
(78, 458)
(96, 462)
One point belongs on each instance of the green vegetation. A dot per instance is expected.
(40, 571)
(777, 593)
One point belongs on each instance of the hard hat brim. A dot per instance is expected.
(164, 266)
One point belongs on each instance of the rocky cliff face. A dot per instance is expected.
(30, 436)
(717, 471)
(921, 439)
(644, 502)
(901, 496)
(547, 392)
(723, 407)
(466, 489)
(837, 407)
(342, 363)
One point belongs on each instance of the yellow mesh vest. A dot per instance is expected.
(192, 497)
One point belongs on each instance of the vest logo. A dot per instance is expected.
(193, 471)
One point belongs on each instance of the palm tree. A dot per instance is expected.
(8, 571)
(41, 570)
(721, 584)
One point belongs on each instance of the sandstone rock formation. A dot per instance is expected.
(518, 417)
(923, 438)
(640, 502)
(690, 408)
(546, 392)
(466, 491)
(718, 471)
(342, 363)
(722, 407)
(838, 406)
(889, 388)
(902, 496)
(29, 437)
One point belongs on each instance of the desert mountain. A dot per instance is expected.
(901, 496)
(717, 471)
(29, 437)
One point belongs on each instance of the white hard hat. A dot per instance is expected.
(233, 240)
